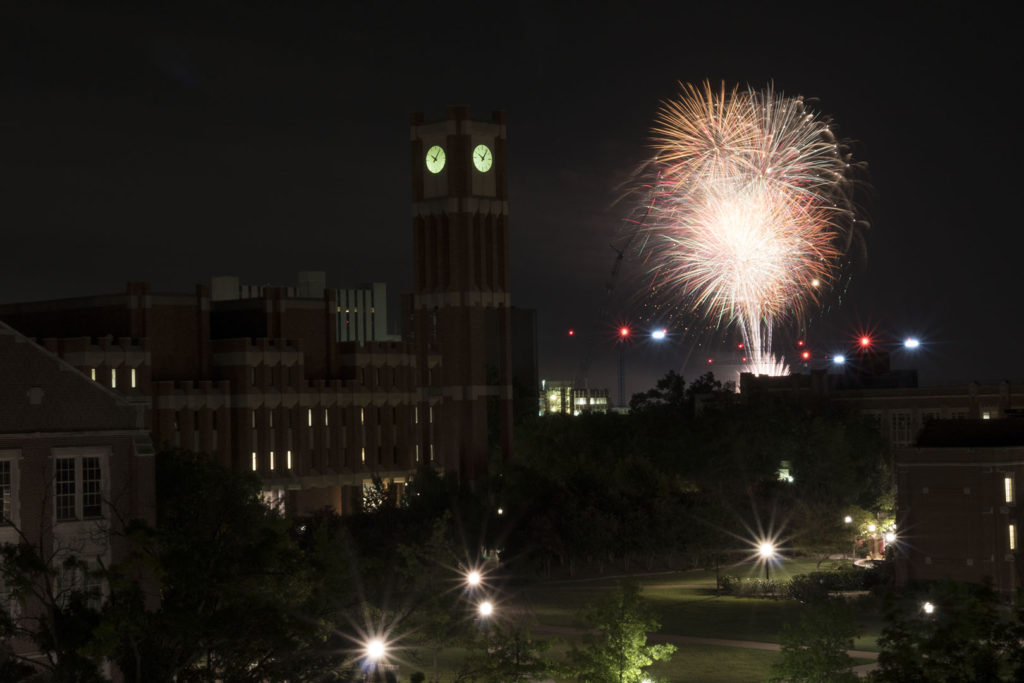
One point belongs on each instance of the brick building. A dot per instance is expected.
(75, 462)
(957, 502)
(304, 384)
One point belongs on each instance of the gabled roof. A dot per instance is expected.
(39, 392)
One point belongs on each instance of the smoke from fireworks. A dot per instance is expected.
(750, 209)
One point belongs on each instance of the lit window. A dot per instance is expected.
(1013, 536)
(1008, 489)
(986, 415)
(362, 454)
(362, 416)
(417, 452)
(113, 378)
(325, 417)
(416, 414)
(5, 491)
(431, 416)
(78, 486)
(431, 452)
(254, 461)
(309, 417)
(92, 374)
(288, 458)
(271, 459)
(133, 378)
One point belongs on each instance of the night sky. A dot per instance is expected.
(148, 142)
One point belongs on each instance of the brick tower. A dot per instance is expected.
(461, 304)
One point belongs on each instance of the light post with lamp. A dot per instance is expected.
(767, 552)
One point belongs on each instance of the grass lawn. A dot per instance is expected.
(686, 604)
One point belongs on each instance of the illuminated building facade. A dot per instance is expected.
(562, 397)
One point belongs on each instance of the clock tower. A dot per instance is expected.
(461, 305)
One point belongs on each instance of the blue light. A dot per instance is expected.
(839, 359)
(911, 343)
(659, 334)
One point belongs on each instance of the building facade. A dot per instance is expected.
(957, 503)
(76, 463)
(461, 305)
(564, 398)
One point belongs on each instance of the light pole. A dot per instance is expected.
(767, 552)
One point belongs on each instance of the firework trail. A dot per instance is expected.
(751, 209)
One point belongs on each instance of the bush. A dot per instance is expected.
(749, 587)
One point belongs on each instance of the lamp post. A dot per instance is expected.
(374, 650)
(767, 552)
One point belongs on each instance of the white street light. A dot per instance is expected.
(847, 519)
(767, 552)
(375, 650)
(928, 608)
(473, 578)
(486, 608)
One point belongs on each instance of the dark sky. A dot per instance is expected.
(171, 142)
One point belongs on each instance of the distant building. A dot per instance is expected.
(563, 397)
(361, 312)
(892, 399)
(76, 462)
(957, 503)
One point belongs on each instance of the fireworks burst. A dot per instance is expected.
(750, 209)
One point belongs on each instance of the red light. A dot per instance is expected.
(710, 361)
(744, 359)
(740, 345)
(623, 331)
(865, 341)
(572, 333)
(806, 355)
(800, 342)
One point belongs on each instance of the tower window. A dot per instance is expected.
(133, 378)
(113, 378)
(1008, 489)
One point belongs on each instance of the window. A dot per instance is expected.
(92, 374)
(900, 434)
(416, 414)
(325, 417)
(254, 461)
(133, 378)
(1013, 536)
(309, 417)
(113, 378)
(986, 415)
(288, 457)
(1008, 489)
(362, 454)
(78, 578)
(8, 601)
(270, 418)
(252, 418)
(78, 488)
(271, 459)
(417, 452)
(253, 373)
(362, 416)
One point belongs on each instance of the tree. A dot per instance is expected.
(964, 637)
(620, 653)
(507, 653)
(814, 650)
(236, 593)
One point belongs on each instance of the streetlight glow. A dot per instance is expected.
(375, 649)
(486, 608)
(847, 519)
(911, 342)
(766, 550)
(839, 359)
(473, 578)
(659, 334)
(928, 608)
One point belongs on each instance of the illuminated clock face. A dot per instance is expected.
(482, 158)
(435, 159)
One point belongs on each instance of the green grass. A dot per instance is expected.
(686, 605)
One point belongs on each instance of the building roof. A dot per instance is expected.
(972, 433)
(39, 392)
